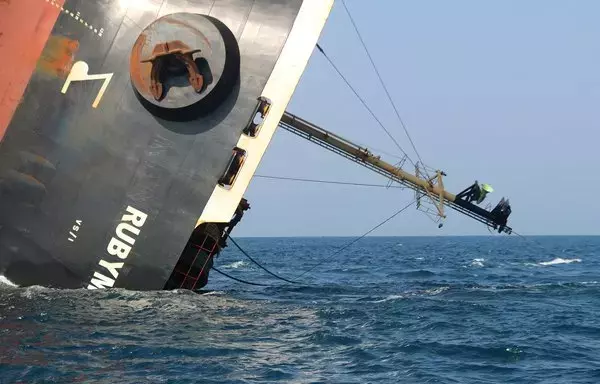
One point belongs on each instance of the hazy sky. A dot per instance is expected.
(505, 92)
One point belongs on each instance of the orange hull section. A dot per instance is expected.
(24, 29)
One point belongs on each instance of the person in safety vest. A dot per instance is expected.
(477, 193)
(483, 191)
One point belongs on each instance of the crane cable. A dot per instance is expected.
(336, 252)
(363, 102)
(259, 265)
(535, 242)
(329, 182)
(239, 280)
(382, 82)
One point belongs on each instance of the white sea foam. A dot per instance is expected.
(558, 260)
(5, 281)
(477, 262)
(436, 291)
(213, 293)
(236, 265)
(532, 264)
(431, 291)
(390, 297)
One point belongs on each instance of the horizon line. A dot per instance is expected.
(382, 236)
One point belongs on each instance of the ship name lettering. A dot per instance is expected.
(119, 245)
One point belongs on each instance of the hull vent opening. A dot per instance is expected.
(238, 158)
(258, 117)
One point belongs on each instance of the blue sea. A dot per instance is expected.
(385, 310)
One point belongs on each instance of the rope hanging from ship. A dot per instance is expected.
(419, 169)
(401, 180)
(364, 103)
(261, 266)
(387, 93)
(383, 86)
(425, 186)
(154, 70)
(334, 253)
(389, 185)
(390, 99)
(350, 243)
(238, 279)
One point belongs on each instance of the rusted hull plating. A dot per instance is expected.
(24, 29)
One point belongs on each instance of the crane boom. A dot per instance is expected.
(432, 187)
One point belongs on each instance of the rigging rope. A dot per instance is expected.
(336, 252)
(259, 265)
(536, 243)
(314, 266)
(363, 102)
(382, 82)
(239, 280)
(329, 181)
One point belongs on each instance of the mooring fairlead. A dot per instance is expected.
(169, 55)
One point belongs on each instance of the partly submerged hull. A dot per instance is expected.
(106, 167)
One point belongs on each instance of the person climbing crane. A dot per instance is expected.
(501, 213)
(476, 192)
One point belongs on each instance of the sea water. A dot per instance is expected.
(386, 310)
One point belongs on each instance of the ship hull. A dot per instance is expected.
(101, 184)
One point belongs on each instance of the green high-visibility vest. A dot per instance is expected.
(488, 188)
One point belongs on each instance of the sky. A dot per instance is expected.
(506, 92)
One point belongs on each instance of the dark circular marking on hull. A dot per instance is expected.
(218, 63)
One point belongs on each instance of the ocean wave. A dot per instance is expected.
(526, 287)
(236, 265)
(426, 292)
(436, 291)
(558, 260)
(477, 262)
(414, 273)
(389, 298)
(5, 281)
(423, 315)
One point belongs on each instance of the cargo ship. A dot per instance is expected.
(130, 130)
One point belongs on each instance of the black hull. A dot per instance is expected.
(103, 187)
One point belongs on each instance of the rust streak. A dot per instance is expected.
(58, 56)
(24, 29)
(140, 72)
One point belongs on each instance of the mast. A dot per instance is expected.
(432, 187)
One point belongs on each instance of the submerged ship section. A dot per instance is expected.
(141, 124)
